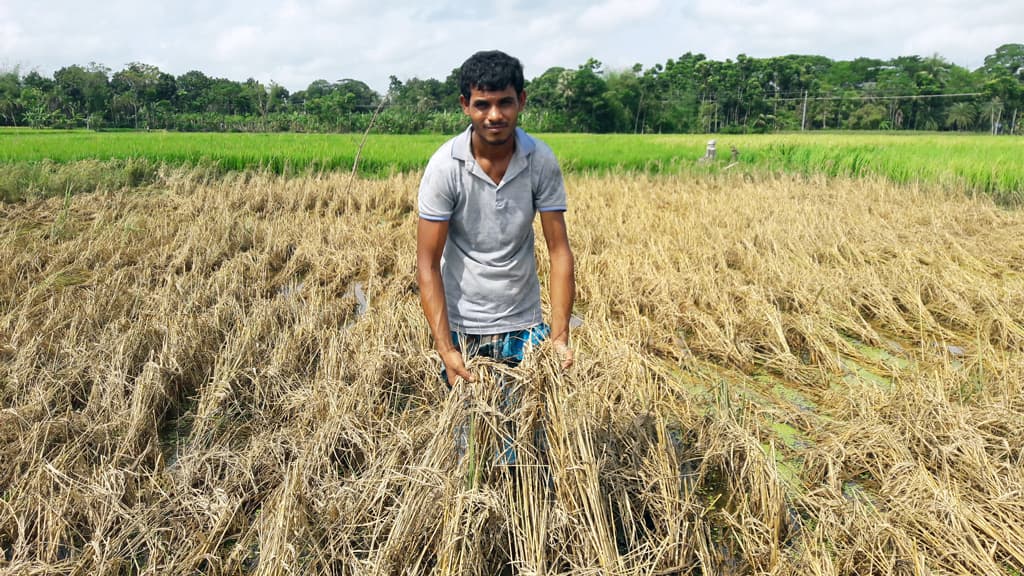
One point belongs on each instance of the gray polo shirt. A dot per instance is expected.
(488, 265)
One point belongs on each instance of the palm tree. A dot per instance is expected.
(961, 115)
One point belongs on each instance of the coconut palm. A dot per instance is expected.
(961, 115)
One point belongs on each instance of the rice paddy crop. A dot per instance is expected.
(775, 375)
(278, 152)
(966, 163)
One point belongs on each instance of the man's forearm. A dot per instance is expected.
(436, 311)
(434, 307)
(563, 294)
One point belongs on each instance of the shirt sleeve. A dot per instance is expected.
(437, 192)
(549, 194)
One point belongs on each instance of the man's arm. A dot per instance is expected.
(562, 281)
(430, 239)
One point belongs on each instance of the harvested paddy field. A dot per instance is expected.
(774, 374)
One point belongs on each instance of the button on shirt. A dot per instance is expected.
(488, 265)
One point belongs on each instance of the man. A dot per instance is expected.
(475, 244)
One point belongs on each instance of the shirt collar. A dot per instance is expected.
(461, 149)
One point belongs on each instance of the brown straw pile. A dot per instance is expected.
(774, 376)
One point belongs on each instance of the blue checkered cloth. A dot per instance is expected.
(509, 347)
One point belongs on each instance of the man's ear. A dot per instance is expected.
(522, 99)
(464, 103)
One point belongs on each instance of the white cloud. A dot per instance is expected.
(289, 10)
(612, 13)
(9, 36)
(237, 41)
(544, 27)
(9, 31)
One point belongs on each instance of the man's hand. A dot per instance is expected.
(455, 366)
(564, 353)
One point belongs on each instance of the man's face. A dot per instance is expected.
(494, 113)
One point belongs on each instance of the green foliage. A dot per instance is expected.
(425, 96)
(1008, 60)
(961, 116)
(684, 95)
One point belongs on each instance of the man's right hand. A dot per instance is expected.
(455, 366)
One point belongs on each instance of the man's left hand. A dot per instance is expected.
(565, 353)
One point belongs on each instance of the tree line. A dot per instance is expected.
(687, 94)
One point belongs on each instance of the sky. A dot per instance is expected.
(294, 42)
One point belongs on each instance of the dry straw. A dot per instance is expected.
(775, 376)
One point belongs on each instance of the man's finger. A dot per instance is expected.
(565, 352)
(569, 359)
(464, 374)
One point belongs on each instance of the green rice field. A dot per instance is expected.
(969, 163)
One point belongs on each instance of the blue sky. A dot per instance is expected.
(294, 42)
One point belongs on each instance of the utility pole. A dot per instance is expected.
(803, 118)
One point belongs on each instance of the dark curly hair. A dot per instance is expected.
(490, 70)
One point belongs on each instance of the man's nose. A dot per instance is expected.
(494, 113)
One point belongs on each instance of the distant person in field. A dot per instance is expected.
(474, 241)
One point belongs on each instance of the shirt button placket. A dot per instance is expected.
(499, 198)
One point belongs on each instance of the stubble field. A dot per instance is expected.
(775, 375)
